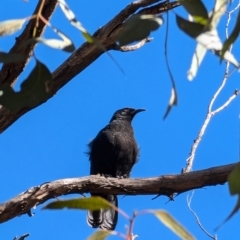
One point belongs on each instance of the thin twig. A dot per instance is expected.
(78, 61)
(235, 94)
(10, 72)
(189, 200)
(173, 98)
(210, 112)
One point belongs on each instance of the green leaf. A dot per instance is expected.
(172, 101)
(92, 203)
(233, 36)
(11, 26)
(65, 44)
(73, 20)
(138, 27)
(11, 57)
(34, 90)
(87, 36)
(234, 180)
(99, 235)
(210, 40)
(10, 99)
(204, 31)
(90, 39)
(192, 29)
(196, 9)
(200, 51)
(197, 58)
(229, 57)
(218, 11)
(234, 211)
(234, 188)
(172, 224)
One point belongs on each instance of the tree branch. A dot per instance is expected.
(163, 185)
(85, 55)
(210, 111)
(11, 71)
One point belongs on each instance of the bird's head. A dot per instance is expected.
(126, 114)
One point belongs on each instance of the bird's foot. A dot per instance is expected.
(106, 175)
(122, 176)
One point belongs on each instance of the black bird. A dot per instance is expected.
(113, 153)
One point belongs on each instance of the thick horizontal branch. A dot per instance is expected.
(163, 185)
(84, 56)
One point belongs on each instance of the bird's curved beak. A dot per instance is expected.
(137, 111)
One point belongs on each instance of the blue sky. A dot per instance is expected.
(49, 142)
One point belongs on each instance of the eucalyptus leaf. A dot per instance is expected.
(172, 224)
(99, 235)
(11, 26)
(11, 57)
(92, 203)
(196, 9)
(35, 90)
(192, 29)
(138, 27)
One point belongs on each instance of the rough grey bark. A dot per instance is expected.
(163, 185)
(80, 59)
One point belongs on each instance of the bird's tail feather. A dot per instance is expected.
(94, 218)
(104, 218)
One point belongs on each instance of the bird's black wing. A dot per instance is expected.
(126, 152)
(102, 152)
